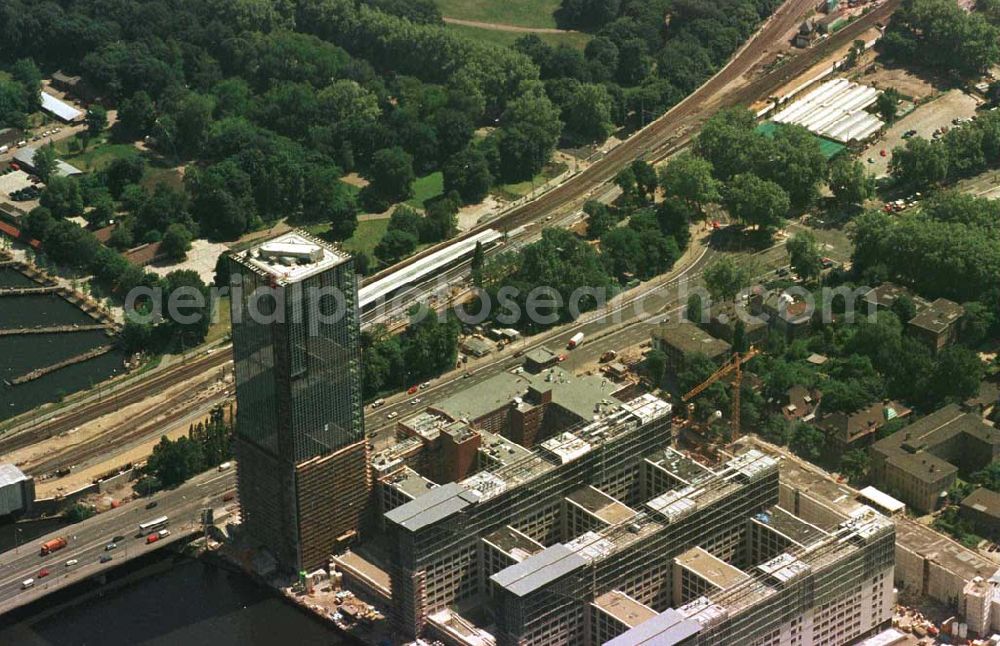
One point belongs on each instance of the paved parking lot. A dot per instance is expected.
(925, 120)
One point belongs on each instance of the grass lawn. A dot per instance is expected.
(524, 13)
(97, 155)
(513, 191)
(162, 175)
(365, 237)
(426, 188)
(221, 326)
(576, 40)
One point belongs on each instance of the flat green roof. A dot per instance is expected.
(828, 147)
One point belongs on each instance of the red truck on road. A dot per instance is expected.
(51, 546)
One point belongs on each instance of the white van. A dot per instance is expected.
(225, 465)
(27, 583)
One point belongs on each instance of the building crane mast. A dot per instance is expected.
(734, 367)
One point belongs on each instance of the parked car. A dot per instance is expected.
(151, 504)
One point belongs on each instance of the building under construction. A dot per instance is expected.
(302, 457)
(604, 534)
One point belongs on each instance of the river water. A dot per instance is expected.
(22, 354)
(167, 600)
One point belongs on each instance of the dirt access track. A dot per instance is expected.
(732, 85)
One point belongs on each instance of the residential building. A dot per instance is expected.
(918, 463)
(981, 509)
(681, 340)
(303, 472)
(885, 296)
(74, 86)
(858, 428)
(785, 313)
(801, 404)
(726, 318)
(937, 325)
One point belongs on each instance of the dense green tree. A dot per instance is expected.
(854, 464)
(468, 173)
(395, 245)
(176, 242)
(689, 178)
(755, 201)
(328, 199)
(600, 219)
(919, 164)
(44, 161)
(804, 255)
(655, 366)
(97, 120)
(940, 34)
(136, 116)
(988, 477)
(529, 130)
(588, 114)
(850, 183)
(122, 171)
(221, 199)
(798, 165)
(62, 197)
(807, 441)
(726, 277)
(391, 177)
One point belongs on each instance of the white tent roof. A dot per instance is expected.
(835, 110)
(59, 108)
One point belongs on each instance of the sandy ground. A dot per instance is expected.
(201, 258)
(902, 80)
(206, 389)
(354, 180)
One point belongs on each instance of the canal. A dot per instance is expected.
(23, 353)
(167, 599)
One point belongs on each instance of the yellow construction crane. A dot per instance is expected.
(734, 367)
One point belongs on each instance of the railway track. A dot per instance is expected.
(656, 141)
(132, 394)
(674, 129)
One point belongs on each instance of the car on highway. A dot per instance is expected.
(411, 390)
(110, 546)
(44, 572)
(152, 538)
(27, 583)
(71, 562)
(105, 558)
(117, 539)
(414, 401)
(164, 533)
(392, 415)
(426, 384)
(152, 504)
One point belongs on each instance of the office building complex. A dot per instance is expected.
(302, 457)
(628, 542)
(448, 542)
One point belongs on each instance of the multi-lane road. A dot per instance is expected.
(88, 539)
(732, 85)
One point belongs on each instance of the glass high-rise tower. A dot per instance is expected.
(302, 456)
